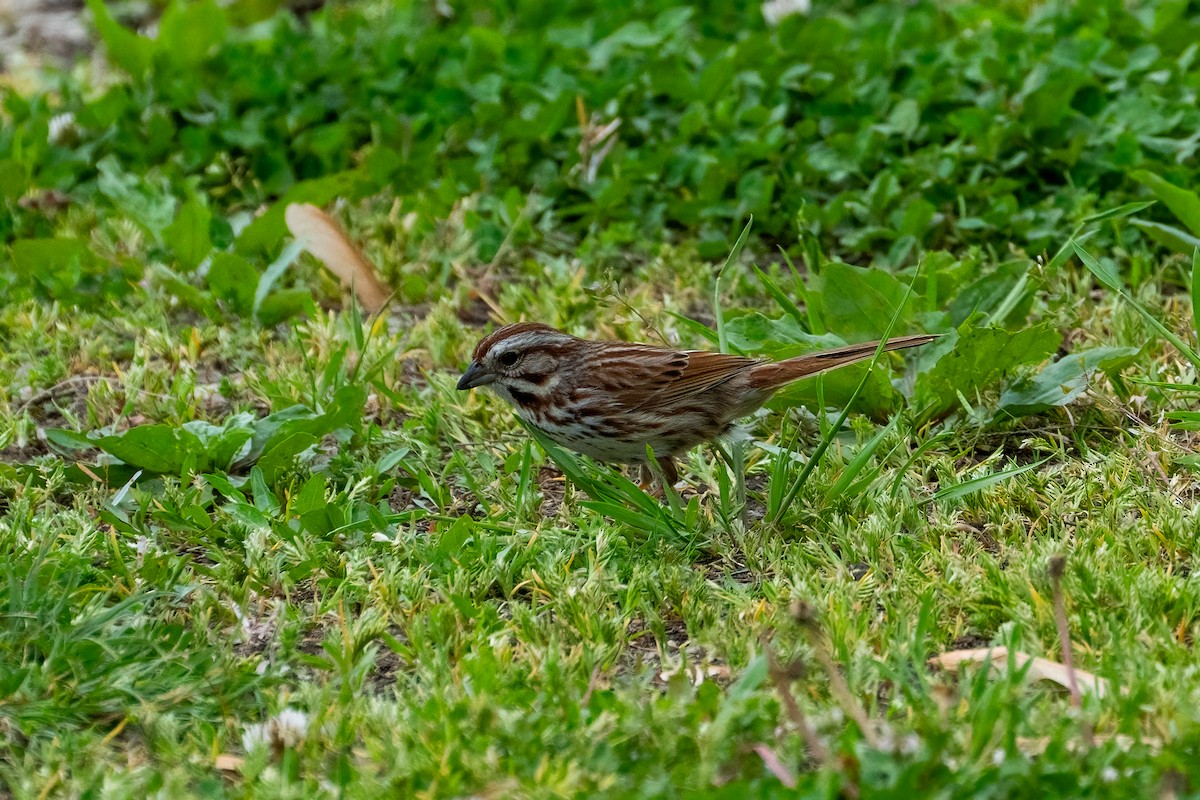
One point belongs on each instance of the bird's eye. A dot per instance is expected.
(509, 358)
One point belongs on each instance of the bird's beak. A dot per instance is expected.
(475, 376)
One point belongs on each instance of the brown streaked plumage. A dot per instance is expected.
(609, 400)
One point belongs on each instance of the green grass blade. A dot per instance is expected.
(1126, 210)
(1110, 279)
(1196, 291)
(815, 324)
(827, 439)
(781, 297)
(722, 339)
(859, 462)
(986, 481)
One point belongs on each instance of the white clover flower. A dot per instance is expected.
(59, 125)
(286, 729)
(775, 10)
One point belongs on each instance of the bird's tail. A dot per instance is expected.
(780, 373)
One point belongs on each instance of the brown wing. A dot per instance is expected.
(664, 376)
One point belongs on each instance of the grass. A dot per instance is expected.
(510, 640)
(316, 569)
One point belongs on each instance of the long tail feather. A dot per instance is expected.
(780, 373)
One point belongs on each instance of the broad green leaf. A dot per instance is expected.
(155, 448)
(283, 305)
(857, 303)
(48, 259)
(264, 499)
(68, 442)
(1062, 382)
(310, 497)
(1196, 291)
(343, 411)
(904, 118)
(282, 452)
(976, 359)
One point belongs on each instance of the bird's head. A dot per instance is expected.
(519, 361)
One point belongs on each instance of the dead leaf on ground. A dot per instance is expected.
(1041, 669)
(320, 235)
(227, 762)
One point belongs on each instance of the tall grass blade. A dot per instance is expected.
(1112, 280)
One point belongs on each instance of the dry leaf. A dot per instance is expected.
(1041, 668)
(229, 763)
(323, 237)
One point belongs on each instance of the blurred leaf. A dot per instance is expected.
(188, 31)
(988, 293)
(188, 235)
(1128, 209)
(14, 179)
(1183, 203)
(233, 280)
(267, 231)
(1167, 235)
(274, 272)
(146, 201)
(52, 262)
(125, 48)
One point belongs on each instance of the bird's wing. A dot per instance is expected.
(664, 376)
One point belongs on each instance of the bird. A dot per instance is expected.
(610, 399)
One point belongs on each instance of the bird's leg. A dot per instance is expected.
(645, 478)
(670, 476)
(670, 471)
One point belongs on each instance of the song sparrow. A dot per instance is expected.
(609, 400)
